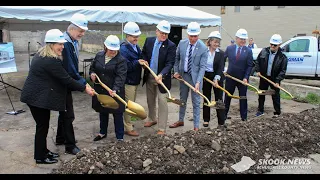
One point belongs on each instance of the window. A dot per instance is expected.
(237, 9)
(300, 45)
(256, 8)
(223, 10)
(281, 6)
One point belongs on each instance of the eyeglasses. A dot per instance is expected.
(275, 45)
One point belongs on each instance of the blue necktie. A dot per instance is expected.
(155, 55)
(189, 60)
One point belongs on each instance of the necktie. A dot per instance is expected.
(189, 59)
(155, 55)
(238, 53)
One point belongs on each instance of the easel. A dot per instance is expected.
(14, 112)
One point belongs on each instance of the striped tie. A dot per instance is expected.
(189, 59)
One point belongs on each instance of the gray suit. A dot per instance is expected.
(199, 60)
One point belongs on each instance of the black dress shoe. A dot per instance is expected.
(46, 161)
(52, 155)
(98, 138)
(73, 151)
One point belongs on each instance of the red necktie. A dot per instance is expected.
(238, 53)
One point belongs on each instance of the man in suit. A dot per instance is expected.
(239, 66)
(190, 64)
(159, 52)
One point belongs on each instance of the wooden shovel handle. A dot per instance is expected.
(238, 80)
(217, 85)
(154, 75)
(191, 87)
(274, 84)
(108, 89)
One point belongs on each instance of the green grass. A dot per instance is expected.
(312, 98)
(134, 119)
(141, 40)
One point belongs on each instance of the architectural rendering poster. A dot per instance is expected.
(7, 60)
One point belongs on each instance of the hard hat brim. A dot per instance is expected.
(81, 27)
(112, 48)
(193, 34)
(134, 34)
(272, 42)
(242, 37)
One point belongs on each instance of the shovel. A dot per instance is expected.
(132, 108)
(274, 84)
(217, 105)
(259, 92)
(170, 99)
(107, 101)
(227, 92)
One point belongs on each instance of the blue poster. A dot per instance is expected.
(7, 60)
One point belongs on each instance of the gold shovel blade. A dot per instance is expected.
(136, 110)
(176, 101)
(107, 101)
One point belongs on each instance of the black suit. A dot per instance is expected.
(218, 67)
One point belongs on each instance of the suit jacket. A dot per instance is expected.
(199, 60)
(242, 67)
(218, 64)
(167, 53)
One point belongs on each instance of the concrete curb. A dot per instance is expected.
(297, 90)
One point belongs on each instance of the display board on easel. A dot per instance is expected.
(7, 59)
(8, 65)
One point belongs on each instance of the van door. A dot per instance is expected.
(301, 57)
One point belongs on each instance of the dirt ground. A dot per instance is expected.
(211, 150)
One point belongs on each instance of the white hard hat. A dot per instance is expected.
(242, 33)
(132, 28)
(164, 26)
(193, 29)
(112, 42)
(215, 34)
(276, 39)
(80, 21)
(54, 36)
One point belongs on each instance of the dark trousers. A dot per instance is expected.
(65, 132)
(42, 118)
(207, 89)
(231, 86)
(264, 85)
(118, 124)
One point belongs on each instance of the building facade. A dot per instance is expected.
(262, 22)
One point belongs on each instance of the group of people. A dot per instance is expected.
(54, 74)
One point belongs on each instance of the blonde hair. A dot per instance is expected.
(211, 39)
(46, 51)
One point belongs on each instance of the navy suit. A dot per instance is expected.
(167, 54)
(239, 69)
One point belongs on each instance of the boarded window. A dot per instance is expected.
(223, 10)
(237, 9)
(256, 8)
